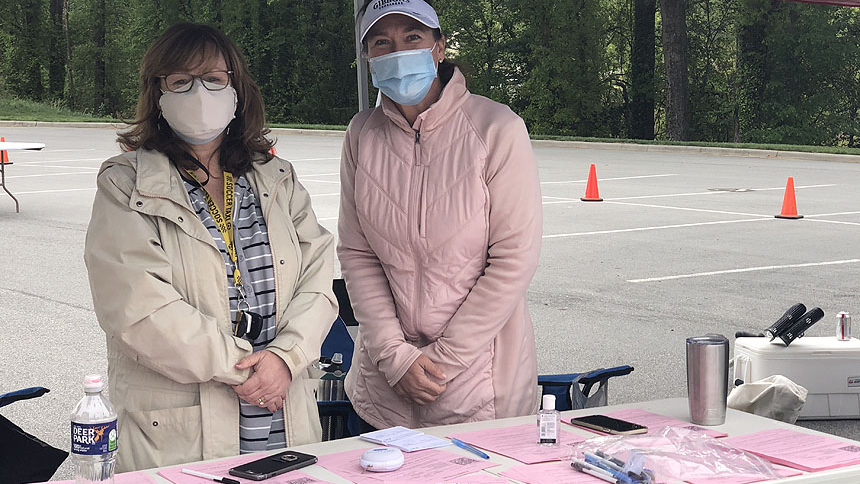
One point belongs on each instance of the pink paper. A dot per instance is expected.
(807, 452)
(520, 443)
(655, 421)
(479, 478)
(423, 466)
(781, 471)
(138, 477)
(221, 468)
(550, 473)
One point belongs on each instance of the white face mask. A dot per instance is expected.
(199, 115)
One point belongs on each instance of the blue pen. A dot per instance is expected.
(610, 468)
(459, 443)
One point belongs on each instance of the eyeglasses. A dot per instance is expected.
(212, 80)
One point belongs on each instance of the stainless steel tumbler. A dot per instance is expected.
(708, 378)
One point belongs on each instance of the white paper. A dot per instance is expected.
(407, 440)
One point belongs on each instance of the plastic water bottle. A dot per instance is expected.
(94, 435)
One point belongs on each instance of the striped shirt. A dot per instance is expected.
(259, 429)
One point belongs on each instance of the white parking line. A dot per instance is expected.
(54, 174)
(558, 200)
(746, 269)
(28, 163)
(833, 214)
(61, 166)
(713, 192)
(608, 179)
(658, 227)
(722, 212)
(830, 221)
(56, 191)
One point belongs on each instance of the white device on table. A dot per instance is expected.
(381, 459)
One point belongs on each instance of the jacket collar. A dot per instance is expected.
(158, 177)
(454, 94)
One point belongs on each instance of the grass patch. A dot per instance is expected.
(326, 127)
(14, 109)
(840, 150)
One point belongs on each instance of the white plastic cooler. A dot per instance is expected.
(828, 368)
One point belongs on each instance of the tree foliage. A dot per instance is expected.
(757, 70)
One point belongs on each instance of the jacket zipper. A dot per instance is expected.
(416, 250)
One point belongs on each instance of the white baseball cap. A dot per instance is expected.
(417, 9)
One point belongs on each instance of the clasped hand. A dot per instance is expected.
(417, 384)
(267, 385)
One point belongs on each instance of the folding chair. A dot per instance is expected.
(337, 416)
(573, 391)
(25, 458)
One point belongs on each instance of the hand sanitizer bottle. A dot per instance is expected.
(548, 420)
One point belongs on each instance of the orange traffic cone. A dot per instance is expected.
(789, 205)
(4, 157)
(591, 192)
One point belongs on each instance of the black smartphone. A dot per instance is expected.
(273, 465)
(608, 425)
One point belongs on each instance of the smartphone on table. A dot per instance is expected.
(273, 465)
(608, 425)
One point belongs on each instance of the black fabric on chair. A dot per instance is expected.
(345, 311)
(23, 457)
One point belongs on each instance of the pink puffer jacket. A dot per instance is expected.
(440, 232)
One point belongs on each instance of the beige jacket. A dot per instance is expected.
(160, 294)
(440, 233)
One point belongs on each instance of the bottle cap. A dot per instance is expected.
(549, 402)
(93, 383)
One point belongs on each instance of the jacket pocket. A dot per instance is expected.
(155, 438)
(301, 413)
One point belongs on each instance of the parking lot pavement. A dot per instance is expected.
(682, 245)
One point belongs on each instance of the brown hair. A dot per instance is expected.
(180, 48)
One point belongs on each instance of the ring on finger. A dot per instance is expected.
(262, 402)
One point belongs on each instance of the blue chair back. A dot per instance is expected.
(339, 341)
(574, 391)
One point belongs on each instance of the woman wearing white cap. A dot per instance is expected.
(440, 231)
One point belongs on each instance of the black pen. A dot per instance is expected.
(224, 480)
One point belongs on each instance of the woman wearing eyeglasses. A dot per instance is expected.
(209, 272)
(439, 236)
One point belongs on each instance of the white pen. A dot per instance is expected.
(224, 480)
(593, 470)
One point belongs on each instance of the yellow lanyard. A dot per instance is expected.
(225, 223)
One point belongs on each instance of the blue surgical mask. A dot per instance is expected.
(404, 76)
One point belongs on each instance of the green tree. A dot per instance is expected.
(642, 70)
(674, 17)
(24, 46)
(712, 69)
(565, 88)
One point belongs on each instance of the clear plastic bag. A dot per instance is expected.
(678, 453)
